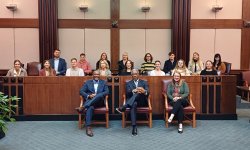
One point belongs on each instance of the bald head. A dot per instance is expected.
(96, 75)
(135, 74)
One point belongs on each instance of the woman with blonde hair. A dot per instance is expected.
(177, 93)
(104, 68)
(181, 68)
(47, 70)
(195, 66)
(103, 56)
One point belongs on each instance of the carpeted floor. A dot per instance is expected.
(65, 135)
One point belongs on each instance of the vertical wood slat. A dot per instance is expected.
(48, 28)
(245, 36)
(115, 34)
(181, 28)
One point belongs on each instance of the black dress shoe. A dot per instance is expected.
(120, 109)
(89, 132)
(180, 130)
(80, 109)
(134, 131)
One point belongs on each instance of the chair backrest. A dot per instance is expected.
(228, 67)
(165, 84)
(246, 77)
(33, 68)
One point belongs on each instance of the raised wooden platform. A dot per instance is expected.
(212, 95)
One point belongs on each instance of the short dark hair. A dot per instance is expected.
(17, 61)
(158, 61)
(73, 59)
(82, 54)
(57, 50)
(170, 53)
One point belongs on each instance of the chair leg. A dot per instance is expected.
(150, 120)
(80, 121)
(194, 119)
(107, 120)
(166, 119)
(123, 120)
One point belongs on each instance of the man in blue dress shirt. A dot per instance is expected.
(59, 64)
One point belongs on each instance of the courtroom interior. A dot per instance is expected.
(124, 74)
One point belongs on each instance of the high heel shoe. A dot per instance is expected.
(180, 130)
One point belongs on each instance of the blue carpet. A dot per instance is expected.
(65, 135)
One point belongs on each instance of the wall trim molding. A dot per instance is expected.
(216, 23)
(19, 23)
(84, 23)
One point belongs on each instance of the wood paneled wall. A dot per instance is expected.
(142, 24)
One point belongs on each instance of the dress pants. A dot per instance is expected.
(89, 105)
(178, 109)
(132, 104)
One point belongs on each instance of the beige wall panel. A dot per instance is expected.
(98, 9)
(4, 12)
(71, 43)
(232, 9)
(69, 9)
(27, 45)
(202, 41)
(158, 43)
(202, 9)
(96, 42)
(26, 9)
(6, 48)
(131, 9)
(228, 44)
(160, 9)
(133, 42)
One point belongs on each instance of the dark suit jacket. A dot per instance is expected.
(130, 86)
(62, 66)
(121, 66)
(168, 66)
(88, 88)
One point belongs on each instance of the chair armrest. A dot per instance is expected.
(124, 99)
(191, 101)
(149, 102)
(81, 101)
(166, 99)
(106, 102)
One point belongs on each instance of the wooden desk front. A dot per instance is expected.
(60, 95)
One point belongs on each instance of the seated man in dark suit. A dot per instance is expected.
(136, 94)
(59, 64)
(94, 92)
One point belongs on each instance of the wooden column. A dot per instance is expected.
(48, 32)
(115, 33)
(245, 36)
(181, 10)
